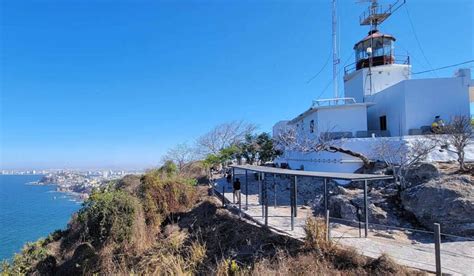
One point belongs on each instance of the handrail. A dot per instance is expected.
(398, 59)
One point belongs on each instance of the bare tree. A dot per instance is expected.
(224, 135)
(289, 139)
(459, 134)
(401, 156)
(181, 154)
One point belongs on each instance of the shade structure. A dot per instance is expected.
(262, 170)
(329, 175)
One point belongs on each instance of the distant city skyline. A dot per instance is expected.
(113, 85)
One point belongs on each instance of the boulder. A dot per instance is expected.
(84, 258)
(421, 174)
(448, 200)
(340, 206)
(47, 266)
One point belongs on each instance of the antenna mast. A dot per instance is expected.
(376, 14)
(335, 57)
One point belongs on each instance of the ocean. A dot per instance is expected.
(29, 212)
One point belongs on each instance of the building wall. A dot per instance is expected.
(338, 162)
(385, 76)
(427, 98)
(389, 103)
(412, 104)
(348, 118)
(358, 84)
(351, 119)
(354, 85)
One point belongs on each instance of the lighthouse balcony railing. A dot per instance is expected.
(397, 59)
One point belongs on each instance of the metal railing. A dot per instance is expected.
(398, 59)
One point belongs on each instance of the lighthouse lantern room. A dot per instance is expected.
(374, 50)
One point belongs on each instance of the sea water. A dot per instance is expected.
(29, 212)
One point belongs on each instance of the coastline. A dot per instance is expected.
(25, 203)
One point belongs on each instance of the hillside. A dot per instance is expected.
(163, 223)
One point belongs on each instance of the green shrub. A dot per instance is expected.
(162, 196)
(108, 215)
(25, 261)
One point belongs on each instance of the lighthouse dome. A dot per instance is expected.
(374, 50)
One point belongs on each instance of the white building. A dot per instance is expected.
(382, 99)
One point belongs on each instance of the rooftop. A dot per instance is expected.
(330, 175)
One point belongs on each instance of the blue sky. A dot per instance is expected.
(116, 83)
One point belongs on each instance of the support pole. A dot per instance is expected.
(240, 204)
(291, 207)
(360, 226)
(437, 237)
(295, 197)
(325, 194)
(223, 196)
(259, 176)
(328, 227)
(232, 184)
(274, 191)
(262, 199)
(266, 203)
(366, 210)
(246, 190)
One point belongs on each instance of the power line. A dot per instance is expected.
(417, 40)
(330, 81)
(319, 72)
(444, 67)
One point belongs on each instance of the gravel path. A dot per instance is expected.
(457, 258)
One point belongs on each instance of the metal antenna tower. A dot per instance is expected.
(377, 13)
(335, 56)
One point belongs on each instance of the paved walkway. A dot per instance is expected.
(457, 258)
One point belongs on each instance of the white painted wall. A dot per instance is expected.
(358, 84)
(390, 103)
(427, 98)
(338, 118)
(414, 103)
(354, 85)
(338, 162)
(348, 118)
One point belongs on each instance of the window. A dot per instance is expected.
(383, 122)
(311, 126)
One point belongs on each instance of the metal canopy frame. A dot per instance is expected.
(263, 187)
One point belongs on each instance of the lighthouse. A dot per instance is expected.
(376, 65)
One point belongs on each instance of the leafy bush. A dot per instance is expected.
(162, 196)
(108, 215)
(26, 260)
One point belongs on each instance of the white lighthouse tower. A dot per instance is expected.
(376, 66)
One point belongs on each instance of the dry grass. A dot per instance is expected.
(316, 234)
(207, 239)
